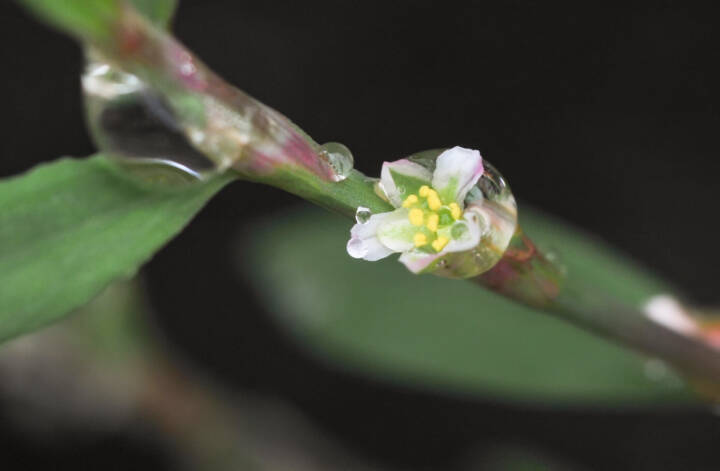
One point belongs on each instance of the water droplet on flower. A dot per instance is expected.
(442, 263)
(458, 230)
(339, 158)
(493, 204)
(135, 124)
(362, 215)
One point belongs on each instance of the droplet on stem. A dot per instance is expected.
(339, 158)
(135, 124)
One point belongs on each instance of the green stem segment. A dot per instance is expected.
(524, 274)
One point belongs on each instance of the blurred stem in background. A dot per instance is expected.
(104, 371)
(236, 133)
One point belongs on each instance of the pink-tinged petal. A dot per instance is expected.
(456, 171)
(417, 261)
(412, 174)
(363, 241)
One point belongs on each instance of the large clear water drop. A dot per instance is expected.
(137, 126)
(492, 199)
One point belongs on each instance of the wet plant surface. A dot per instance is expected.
(606, 119)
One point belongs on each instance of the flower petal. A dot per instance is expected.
(417, 261)
(368, 249)
(456, 171)
(396, 232)
(363, 241)
(401, 178)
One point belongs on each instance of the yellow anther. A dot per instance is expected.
(432, 222)
(409, 201)
(440, 243)
(424, 190)
(419, 239)
(416, 217)
(433, 199)
(455, 210)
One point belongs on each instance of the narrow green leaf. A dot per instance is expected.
(87, 19)
(450, 335)
(70, 227)
(95, 19)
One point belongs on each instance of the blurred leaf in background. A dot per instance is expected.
(447, 335)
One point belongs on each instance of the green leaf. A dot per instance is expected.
(70, 227)
(449, 335)
(95, 19)
(87, 19)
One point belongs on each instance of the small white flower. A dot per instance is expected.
(431, 219)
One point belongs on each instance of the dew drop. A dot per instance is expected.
(442, 263)
(362, 215)
(493, 210)
(136, 125)
(339, 158)
(458, 230)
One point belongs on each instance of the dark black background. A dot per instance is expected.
(605, 117)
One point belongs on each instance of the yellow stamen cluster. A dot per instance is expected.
(416, 217)
(423, 211)
(455, 210)
(409, 201)
(440, 243)
(432, 222)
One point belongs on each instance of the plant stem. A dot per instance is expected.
(524, 274)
